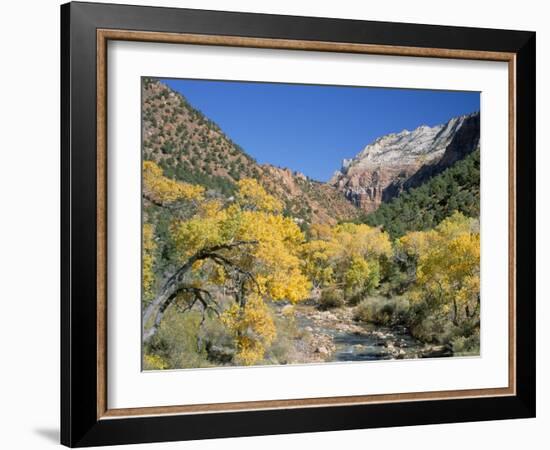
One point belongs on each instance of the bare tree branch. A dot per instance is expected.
(176, 284)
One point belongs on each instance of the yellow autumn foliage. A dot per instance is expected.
(257, 256)
(417, 242)
(261, 242)
(251, 195)
(448, 265)
(164, 190)
(320, 231)
(344, 254)
(252, 328)
(149, 247)
(316, 256)
(197, 233)
(154, 362)
(273, 257)
(276, 259)
(362, 240)
(360, 275)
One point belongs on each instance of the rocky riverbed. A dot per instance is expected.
(333, 335)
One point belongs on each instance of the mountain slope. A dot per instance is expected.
(186, 144)
(190, 147)
(400, 161)
(423, 207)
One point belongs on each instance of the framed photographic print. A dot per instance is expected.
(276, 224)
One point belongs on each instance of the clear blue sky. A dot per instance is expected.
(312, 128)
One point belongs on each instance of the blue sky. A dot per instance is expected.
(312, 128)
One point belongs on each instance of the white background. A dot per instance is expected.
(29, 183)
(129, 387)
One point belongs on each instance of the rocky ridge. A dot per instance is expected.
(400, 161)
(190, 147)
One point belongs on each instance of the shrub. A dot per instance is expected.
(182, 343)
(281, 351)
(374, 310)
(382, 311)
(153, 362)
(466, 346)
(433, 327)
(356, 298)
(429, 329)
(331, 298)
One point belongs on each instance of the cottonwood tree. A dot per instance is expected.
(447, 267)
(245, 249)
(346, 256)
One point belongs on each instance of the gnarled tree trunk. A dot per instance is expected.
(176, 284)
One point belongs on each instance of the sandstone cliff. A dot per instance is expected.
(399, 161)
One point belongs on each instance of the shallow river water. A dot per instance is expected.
(355, 341)
(377, 343)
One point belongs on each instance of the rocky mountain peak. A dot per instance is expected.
(398, 161)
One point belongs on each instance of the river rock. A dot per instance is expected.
(322, 350)
(288, 310)
(436, 351)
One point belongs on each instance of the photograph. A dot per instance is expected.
(275, 225)
(289, 222)
(306, 224)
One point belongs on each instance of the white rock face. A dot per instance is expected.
(423, 144)
(346, 163)
(382, 168)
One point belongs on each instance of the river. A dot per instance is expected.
(356, 341)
